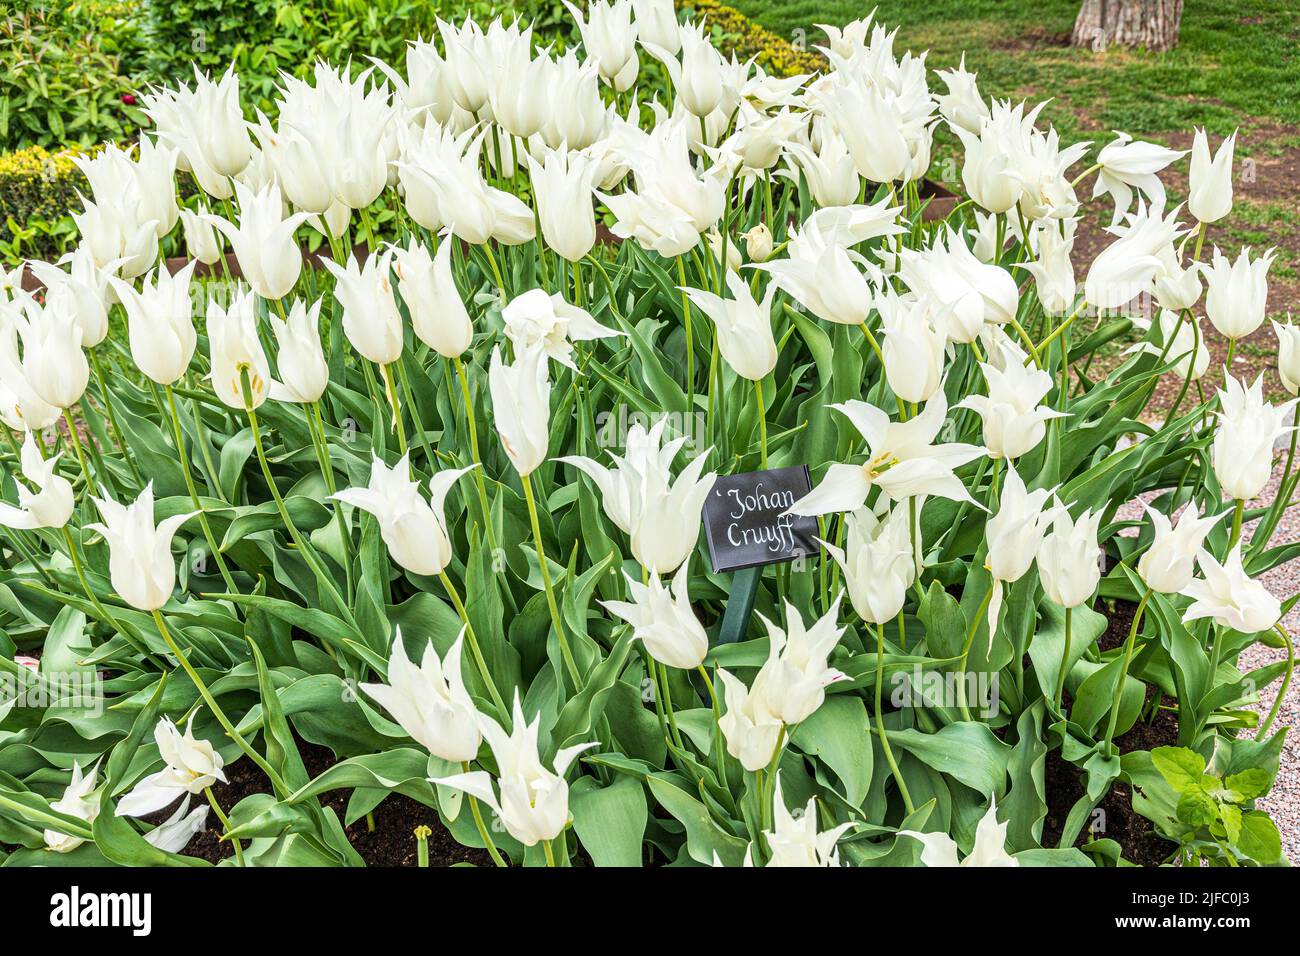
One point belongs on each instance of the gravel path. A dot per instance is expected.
(1283, 801)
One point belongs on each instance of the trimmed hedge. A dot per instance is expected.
(746, 38)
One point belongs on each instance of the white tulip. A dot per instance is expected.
(663, 621)
(300, 359)
(1127, 165)
(200, 236)
(1069, 559)
(537, 320)
(1230, 597)
(794, 678)
(1166, 566)
(914, 348)
(50, 505)
(972, 293)
(115, 237)
(1236, 293)
(794, 840)
(962, 106)
(431, 701)
(562, 185)
(415, 530)
(656, 22)
(140, 563)
(749, 728)
(876, 561)
(53, 361)
(831, 173)
(82, 290)
(1014, 421)
(744, 326)
(160, 324)
(190, 766)
(263, 241)
(521, 406)
(371, 320)
(989, 849)
(79, 800)
(438, 313)
(206, 124)
(21, 408)
(1243, 441)
(609, 37)
(175, 833)
(1187, 337)
(1128, 267)
(533, 802)
(1210, 196)
(1053, 272)
(236, 350)
(697, 77)
(1288, 354)
(1013, 536)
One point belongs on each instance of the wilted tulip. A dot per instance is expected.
(744, 326)
(521, 406)
(370, 317)
(1166, 566)
(160, 325)
(534, 802)
(415, 530)
(1243, 441)
(50, 505)
(877, 560)
(430, 701)
(175, 833)
(1210, 198)
(1236, 293)
(300, 360)
(140, 563)
(236, 351)
(191, 766)
(663, 620)
(1230, 597)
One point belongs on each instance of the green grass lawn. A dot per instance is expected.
(1237, 57)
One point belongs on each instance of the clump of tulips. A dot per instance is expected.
(378, 497)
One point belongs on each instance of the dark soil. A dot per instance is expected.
(390, 843)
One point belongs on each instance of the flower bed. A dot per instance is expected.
(417, 523)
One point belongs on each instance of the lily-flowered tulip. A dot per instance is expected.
(1187, 339)
(521, 406)
(53, 361)
(426, 285)
(536, 320)
(663, 621)
(1236, 293)
(973, 293)
(1069, 559)
(191, 766)
(656, 22)
(1210, 198)
(236, 351)
(1014, 535)
(831, 173)
(50, 505)
(415, 530)
(1053, 272)
(1288, 354)
(609, 37)
(82, 290)
(661, 517)
(697, 77)
(80, 801)
(1129, 266)
(744, 326)
(144, 188)
(431, 701)
(876, 560)
(116, 239)
(962, 106)
(794, 840)
(21, 409)
(1176, 288)
(200, 236)
(989, 849)
(371, 320)
(1243, 441)
(823, 275)
(175, 833)
(794, 678)
(533, 802)
(263, 240)
(160, 323)
(1168, 564)
(914, 347)
(1014, 422)
(748, 726)
(206, 124)
(300, 359)
(902, 461)
(562, 185)
(1229, 596)
(1126, 165)
(140, 563)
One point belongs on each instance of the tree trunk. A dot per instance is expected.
(1152, 24)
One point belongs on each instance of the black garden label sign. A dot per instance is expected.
(746, 523)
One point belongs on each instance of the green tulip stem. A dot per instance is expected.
(1108, 748)
(323, 579)
(390, 389)
(556, 621)
(1065, 660)
(1237, 513)
(478, 824)
(496, 270)
(667, 695)
(550, 854)
(475, 651)
(690, 338)
(762, 419)
(965, 652)
(225, 824)
(85, 586)
(75, 439)
(105, 399)
(880, 721)
(276, 780)
(1286, 682)
(718, 744)
(768, 786)
(472, 426)
(194, 494)
(316, 428)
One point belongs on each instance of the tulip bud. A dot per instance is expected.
(140, 563)
(758, 243)
(1288, 354)
(1210, 196)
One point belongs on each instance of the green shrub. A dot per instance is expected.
(38, 188)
